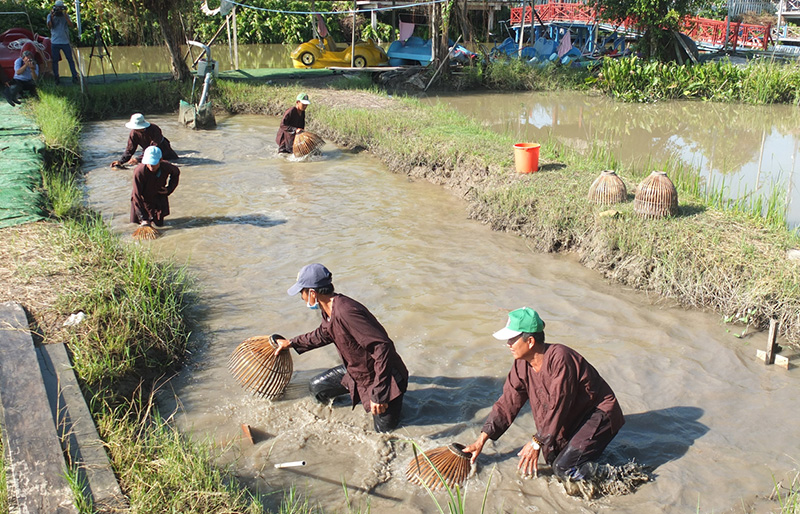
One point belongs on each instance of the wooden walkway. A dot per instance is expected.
(44, 416)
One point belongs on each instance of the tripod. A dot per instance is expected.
(102, 52)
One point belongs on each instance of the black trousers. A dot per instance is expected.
(576, 461)
(18, 86)
(328, 385)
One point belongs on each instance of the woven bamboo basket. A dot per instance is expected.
(305, 143)
(255, 365)
(145, 232)
(608, 188)
(656, 197)
(451, 462)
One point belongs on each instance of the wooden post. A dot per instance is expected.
(769, 358)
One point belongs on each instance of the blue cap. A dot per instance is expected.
(152, 155)
(311, 276)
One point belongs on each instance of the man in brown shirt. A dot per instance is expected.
(292, 123)
(153, 181)
(575, 410)
(144, 134)
(373, 372)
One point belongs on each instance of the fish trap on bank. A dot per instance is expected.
(608, 188)
(450, 461)
(305, 143)
(257, 367)
(145, 232)
(656, 197)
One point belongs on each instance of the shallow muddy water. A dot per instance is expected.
(744, 150)
(716, 425)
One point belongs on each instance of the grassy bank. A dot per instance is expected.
(731, 261)
(136, 329)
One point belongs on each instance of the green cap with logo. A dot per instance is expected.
(303, 98)
(519, 321)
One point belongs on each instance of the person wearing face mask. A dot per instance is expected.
(373, 372)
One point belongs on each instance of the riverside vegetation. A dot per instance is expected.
(708, 256)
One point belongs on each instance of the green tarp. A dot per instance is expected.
(21, 197)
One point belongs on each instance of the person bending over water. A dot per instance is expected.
(373, 372)
(292, 123)
(153, 181)
(575, 410)
(144, 134)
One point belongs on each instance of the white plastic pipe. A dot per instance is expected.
(292, 464)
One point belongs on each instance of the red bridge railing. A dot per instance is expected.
(702, 30)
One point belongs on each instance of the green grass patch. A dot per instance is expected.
(760, 82)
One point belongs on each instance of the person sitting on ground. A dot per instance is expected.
(373, 372)
(7, 91)
(575, 410)
(144, 134)
(292, 123)
(26, 73)
(59, 23)
(153, 181)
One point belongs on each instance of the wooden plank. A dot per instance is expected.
(77, 431)
(29, 432)
(772, 338)
(780, 360)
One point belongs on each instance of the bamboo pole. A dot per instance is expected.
(353, 38)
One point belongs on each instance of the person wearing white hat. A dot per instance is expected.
(292, 123)
(153, 181)
(144, 134)
(59, 23)
(575, 411)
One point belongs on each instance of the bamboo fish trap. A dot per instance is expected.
(451, 462)
(255, 365)
(608, 188)
(656, 197)
(145, 232)
(305, 143)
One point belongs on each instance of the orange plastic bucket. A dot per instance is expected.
(526, 157)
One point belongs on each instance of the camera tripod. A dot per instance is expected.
(102, 52)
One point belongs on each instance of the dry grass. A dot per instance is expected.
(36, 272)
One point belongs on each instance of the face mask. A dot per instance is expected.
(312, 307)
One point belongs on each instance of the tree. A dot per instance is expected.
(658, 17)
(168, 13)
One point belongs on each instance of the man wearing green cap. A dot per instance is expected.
(292, 123)
(575, 410)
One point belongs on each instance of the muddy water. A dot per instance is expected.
(715, 425)
(743, 150)
(155, 59)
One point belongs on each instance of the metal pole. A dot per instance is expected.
(235, 40)
(353, 38)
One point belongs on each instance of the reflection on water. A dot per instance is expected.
(155, 59)
(712, 422)
(745, 150)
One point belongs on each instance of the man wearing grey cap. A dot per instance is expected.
(373, 372)
(575, 410)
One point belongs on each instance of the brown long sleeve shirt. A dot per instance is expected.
(292, 120)
(375, 371)
(563, 393)
(147, 203)
(150, 136)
